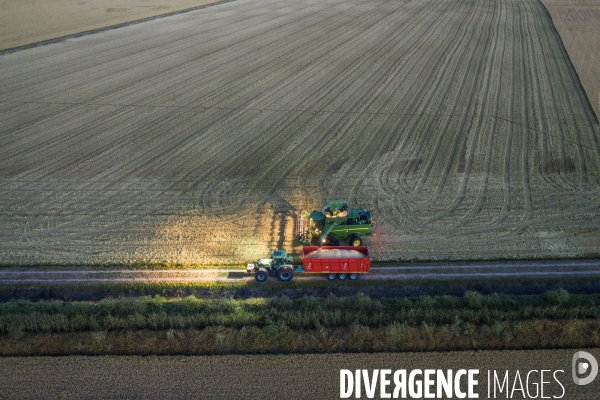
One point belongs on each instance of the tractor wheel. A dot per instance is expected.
(331, 277)
(342, 277)
(355, 240)
(261, 276)
(353, 277)
(285, 275)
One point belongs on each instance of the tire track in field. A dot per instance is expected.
(391, 140)
(359, 101)
(495, 76)
(444, 96)
(408, 169)
(572, 80)
(479, 116)
(385, 76)
(452, 59)
(451, 156)
(292, 122)
(400, 204)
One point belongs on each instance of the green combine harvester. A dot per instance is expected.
(335, 224)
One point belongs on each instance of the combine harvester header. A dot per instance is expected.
(334, 224)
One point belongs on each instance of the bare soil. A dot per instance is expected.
(309, 376)
(195, 138)
(578, 22)
(31, 21)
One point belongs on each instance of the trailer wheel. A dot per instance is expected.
(342, 277)
(331, 277)
(355, 240)
(261, 276)
(285, 275)
(353, 277)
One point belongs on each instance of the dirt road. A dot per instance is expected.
(567, 269)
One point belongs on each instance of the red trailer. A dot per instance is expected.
(336, 261)
(339, 262)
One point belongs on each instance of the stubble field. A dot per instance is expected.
(195, 138)
(298, 376)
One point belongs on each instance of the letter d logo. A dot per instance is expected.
(582, 367)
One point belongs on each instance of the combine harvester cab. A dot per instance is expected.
(341, 262)
(336, 223)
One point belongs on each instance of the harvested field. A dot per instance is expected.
(578, 22)
(310, 376)
(194, 138)
(26, 22)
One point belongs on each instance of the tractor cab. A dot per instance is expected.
(280, 264)
(280, 257)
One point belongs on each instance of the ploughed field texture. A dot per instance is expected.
(306, 376)
(461, 125)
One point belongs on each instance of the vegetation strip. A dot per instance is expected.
(156, 325)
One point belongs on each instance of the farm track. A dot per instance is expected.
(195, 138)
(567, 269)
